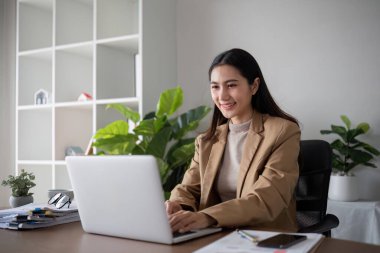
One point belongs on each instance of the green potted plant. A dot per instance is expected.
(348, 153)
(161, 134)
(20, 186)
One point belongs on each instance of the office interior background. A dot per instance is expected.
(320, 59)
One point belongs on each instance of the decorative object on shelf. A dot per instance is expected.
(153, 134)
(20, 186)
(348, 152)
(73, 151)
(41, 97)
(84, 97)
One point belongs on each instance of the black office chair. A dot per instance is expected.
(312, 188)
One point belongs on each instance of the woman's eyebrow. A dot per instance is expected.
(227, 81)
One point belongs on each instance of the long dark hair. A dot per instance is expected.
(262, 101)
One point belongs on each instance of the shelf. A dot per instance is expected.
(60, 162)
(35, 72)
(74, 21)
(80, 48)
(71, 47)
(74, 72)
(87, 105)
(73, 128)
(34, 107)
(132, 102)
(129, 43)
(117, 18)
(35, 162)
(35, 135)
(35, 24)
(41, 53)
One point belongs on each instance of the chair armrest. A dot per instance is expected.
(329, 222)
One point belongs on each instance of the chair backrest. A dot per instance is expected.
(313, 184)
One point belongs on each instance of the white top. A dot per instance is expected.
(227, 177)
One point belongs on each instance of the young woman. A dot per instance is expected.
(245, 166)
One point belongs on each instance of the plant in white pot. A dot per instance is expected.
(348, 152)
(20, 186)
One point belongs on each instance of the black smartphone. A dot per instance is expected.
(281, 241)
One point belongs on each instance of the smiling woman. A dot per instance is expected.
(232, 94)
(245, 166)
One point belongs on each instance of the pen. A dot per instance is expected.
(247, 236)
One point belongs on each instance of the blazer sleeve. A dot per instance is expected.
(188, 192)
(268, 188)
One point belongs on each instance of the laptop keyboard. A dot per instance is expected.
(178, 234)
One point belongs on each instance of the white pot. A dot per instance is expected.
(343, 188)
(20, 201)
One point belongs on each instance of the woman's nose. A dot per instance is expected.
(224, 95)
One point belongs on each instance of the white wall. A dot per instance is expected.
(320, 59)
(7, 97)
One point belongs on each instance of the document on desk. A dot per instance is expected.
(234, 242)
(33, 216)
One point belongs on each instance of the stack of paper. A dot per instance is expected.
(233, 242)
(33, 216)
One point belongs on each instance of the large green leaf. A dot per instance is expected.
(157, 146)
(359, 156)
(138, 150)
(341, 131)
(145, 127)
(363, 126)
(170, 157)
(339, 146)
(160, 122)
(127, 112)
(346, 121)
(352, 133)
(119, 127)
(182, 155)
(170, 100)
(115, 138)
(149, 127)
(117, 145)
(188, 121)
(370, 165)
(164, 169)
(371, 149)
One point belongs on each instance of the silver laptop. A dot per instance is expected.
(122, 196)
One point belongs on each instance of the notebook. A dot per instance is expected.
(122, 196)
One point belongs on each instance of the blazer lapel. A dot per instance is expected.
(252, 142)
(213, 164)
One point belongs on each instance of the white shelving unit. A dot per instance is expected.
(119, 51)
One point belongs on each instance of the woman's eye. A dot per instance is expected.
(231, 85)
(214, 87)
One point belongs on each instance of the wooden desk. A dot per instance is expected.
(71, 238)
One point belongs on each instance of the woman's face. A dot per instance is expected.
(232, 94)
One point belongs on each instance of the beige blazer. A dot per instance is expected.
(267, 177)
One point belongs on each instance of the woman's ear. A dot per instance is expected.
(255, 85)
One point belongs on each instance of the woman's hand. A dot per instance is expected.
(183, 221)
(172, 207)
